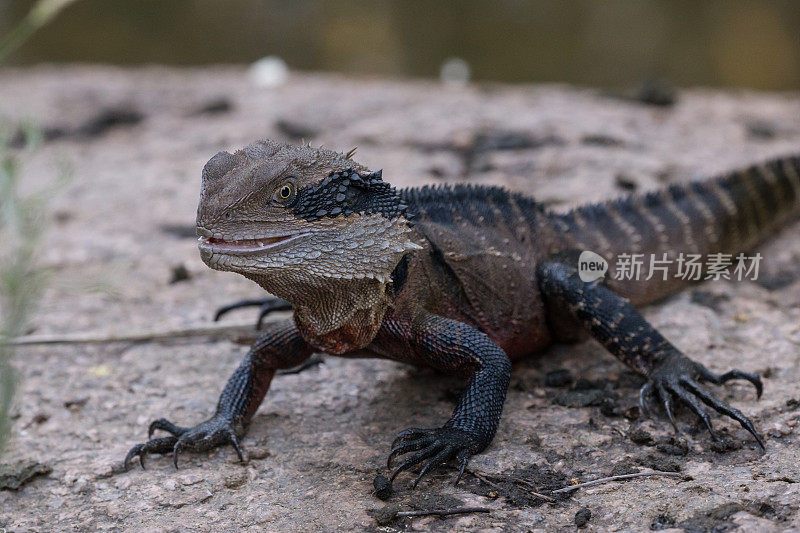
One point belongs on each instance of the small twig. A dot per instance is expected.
(531, 488)
(445, 512)
(485, 480)
(203, 330)
(602, 480)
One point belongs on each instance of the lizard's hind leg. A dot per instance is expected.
(618, 326)
(267, 306)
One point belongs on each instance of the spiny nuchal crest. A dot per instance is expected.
(346, 192)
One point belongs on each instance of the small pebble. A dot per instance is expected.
(673, 446)
(662, 521)
(582, 517)
(641, 437)
(383, 487)
(386, 514)
(179, 273)
(234, 480)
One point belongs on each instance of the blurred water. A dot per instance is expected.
(740, 43)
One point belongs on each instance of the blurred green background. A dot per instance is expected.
(606, 43)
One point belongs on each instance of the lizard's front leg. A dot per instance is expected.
(455, 348)
(281, 346)
(616, 324)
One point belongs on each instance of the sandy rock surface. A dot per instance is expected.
(136, 140)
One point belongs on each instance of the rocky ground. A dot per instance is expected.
(121, 231)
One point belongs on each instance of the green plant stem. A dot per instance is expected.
(40, 14)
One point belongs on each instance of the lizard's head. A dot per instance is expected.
(283, 214)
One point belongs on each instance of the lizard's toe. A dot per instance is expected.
(213, 433)
(646, 397)
(755, 379)
(431, 448)
(165, 425)
(680, 377)
(208, 435)
(409, 435)
(160, 446)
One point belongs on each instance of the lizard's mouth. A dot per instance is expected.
(217, 245)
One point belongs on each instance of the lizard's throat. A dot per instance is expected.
(311, 291)
(334, 278)
(334, 315)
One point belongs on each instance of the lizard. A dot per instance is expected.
(461, 278)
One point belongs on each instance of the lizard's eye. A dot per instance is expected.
(285, 193)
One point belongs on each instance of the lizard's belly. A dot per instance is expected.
(517, 324)
(536, 338)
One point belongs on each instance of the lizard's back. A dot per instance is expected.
(484, 245)
(486, 242)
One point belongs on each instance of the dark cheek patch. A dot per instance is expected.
(345, 193)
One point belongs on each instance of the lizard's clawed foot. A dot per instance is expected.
(266, 305)
(214, 432)
(433, 447)
(680, 377)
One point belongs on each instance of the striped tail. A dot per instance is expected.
(726, 214)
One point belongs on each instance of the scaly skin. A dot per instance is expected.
(461, 279)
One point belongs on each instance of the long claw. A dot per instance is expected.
(755, 379)
(261, 316)
(723, 408)
(137, 450)
(695, 406)
(236, 446)
(237, 305)
(405, 447)
(207, 435)
(165, 425)
(161, 445)
(267, 305)
(142, 459)
(433, 447)
(436, 460)
(645, 395)
(408, 434)
(666, 399)
(177, 448)
(463, 459)
(414, 459)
